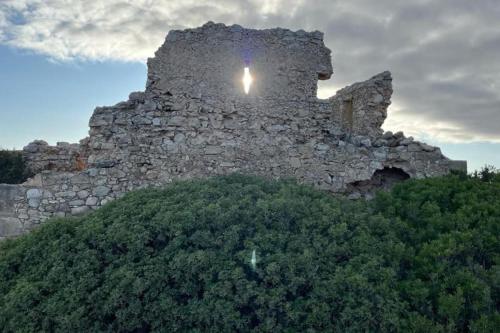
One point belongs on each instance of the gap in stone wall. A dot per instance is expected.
(383, 179)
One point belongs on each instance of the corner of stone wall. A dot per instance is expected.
(362, 107)
(458, 165)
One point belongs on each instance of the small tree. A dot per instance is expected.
(12, 167)
(488, 174)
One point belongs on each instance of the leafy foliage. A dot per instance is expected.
(421, 258)
(487, 174)
(12, 167)
(450, 226)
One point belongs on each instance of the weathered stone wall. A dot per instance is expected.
(209, 61)
(39, 156)
(362, 107)
(10, 224)
(193, 120)
(61, 194)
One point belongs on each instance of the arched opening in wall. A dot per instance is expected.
(383, 179)
(387, 177)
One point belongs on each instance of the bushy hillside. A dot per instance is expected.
(422, 258)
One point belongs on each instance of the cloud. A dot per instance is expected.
(443, 54)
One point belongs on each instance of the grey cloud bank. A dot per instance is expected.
(443, 54)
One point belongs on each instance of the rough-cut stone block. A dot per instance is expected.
(92, 201)
(79, 210)
(100, 191)
(34, 193)
(81, 178)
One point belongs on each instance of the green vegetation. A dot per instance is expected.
(450, 275)
(12, 167)
(422, 258)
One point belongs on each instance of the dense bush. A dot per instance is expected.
(421, 258)
(450, 276)
(12, 167)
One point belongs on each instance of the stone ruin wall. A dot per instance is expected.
(39, 156)
(193, 120)
(209, 61)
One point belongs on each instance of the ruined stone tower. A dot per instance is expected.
(195, 120)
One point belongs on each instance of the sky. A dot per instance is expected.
(59, 59)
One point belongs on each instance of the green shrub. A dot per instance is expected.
(488, 173)
(179, 259)
(450, 227)
(12, 167)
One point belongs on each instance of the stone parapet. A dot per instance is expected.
(39, 156)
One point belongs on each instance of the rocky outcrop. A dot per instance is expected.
(194, 120)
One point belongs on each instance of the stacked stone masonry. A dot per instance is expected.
(39, 156)
(194, 120)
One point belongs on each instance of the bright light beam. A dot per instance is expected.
(247, 80)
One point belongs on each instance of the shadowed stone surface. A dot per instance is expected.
(10, 224)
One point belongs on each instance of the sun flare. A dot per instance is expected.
(247, 80)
